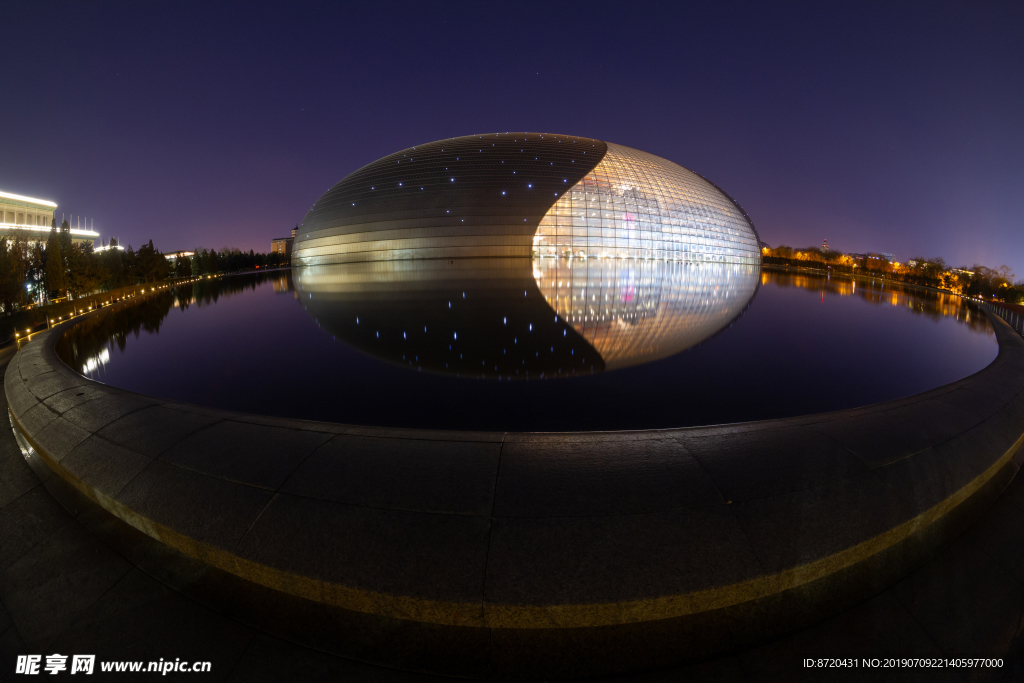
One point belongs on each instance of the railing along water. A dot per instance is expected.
(1014, 317)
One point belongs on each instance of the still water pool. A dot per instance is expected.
(551, 344)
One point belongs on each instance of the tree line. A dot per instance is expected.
(35, 272)
(978, 280)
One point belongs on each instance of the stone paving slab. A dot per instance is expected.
(878, 628)
(15, 480)
(47, 384)
(257, 455)
(401, 474)
(59, 437)
(19, 398)
(209, 510)
(749, 465)
(25, 521)
(56, 581)
(797, 528)
(884, 438)
(106, 466)
(577, 478)
(430, 556)
(142, 616)
(984, 583)
(934, 475)
(269, 660)
(153, 430)
(96, 413)
(37, 418)
(63, 401)
(651, 555)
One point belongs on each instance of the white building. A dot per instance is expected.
(33, 218)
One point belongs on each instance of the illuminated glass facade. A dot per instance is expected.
(638, 206)
(521, 195)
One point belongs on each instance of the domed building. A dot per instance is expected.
(523, 195)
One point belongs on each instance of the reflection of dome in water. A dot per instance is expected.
(522, 194)
(524, 319)
(468, 317)
(636, 311)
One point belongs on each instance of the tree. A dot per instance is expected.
(35, 272)
(212, 262)
(84, 273)
(65, 242)
(198, 260)
(131, 267)
(152, 265)
(113, 267)
(54, 265)
(11, 288)
(182, 267)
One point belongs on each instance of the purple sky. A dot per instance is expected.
(892, 127)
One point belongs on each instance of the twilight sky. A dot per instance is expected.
(892, 127)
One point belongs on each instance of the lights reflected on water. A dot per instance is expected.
(591, 315)
(93, 363)
(437, 342)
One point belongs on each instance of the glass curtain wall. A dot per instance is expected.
(635, 205)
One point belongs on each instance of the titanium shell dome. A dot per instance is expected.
(522, 195)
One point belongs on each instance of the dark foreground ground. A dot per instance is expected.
(76, 580)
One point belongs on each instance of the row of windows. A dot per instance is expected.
(23, 218)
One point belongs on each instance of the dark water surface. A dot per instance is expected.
(542, 346)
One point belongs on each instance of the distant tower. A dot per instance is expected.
(824, 246)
